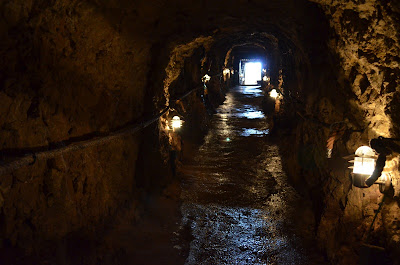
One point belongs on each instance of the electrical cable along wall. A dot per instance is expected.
(8, 167)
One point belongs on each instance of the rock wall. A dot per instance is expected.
(354, 85)
(71, 71)
(66, 74)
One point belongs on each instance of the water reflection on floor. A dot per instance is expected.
(237, 204)
(251, 91)
(251, 131)
(249, 112)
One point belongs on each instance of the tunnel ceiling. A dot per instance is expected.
(248, 52)
(278, 27)
(154, 34)
(228, 22)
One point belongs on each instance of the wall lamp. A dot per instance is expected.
(205, 78)
(273, 94)
(176, 122)
(369, 164)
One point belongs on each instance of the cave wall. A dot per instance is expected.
(355, 84)
(368, 47)
(66, 73)
(74, 70)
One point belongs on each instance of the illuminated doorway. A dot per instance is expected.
(250, 73)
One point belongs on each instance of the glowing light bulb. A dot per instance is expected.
(226, 71)
(206, 78)
(273, 93)
(364, 162)
(176, 122)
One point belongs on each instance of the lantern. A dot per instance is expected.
(370, 168)
(364, 165)
(226, 74)
(265, 78)
(176, 122)
(273, 93)
(205, 78)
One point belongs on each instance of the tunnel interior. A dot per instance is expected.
(124, 126)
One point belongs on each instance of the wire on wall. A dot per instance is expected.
(31, 157)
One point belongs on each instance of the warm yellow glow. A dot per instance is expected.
(273, 93)
(226, 73)
(385, 176)
(176, 122)
(364, 162)
(206, 78)
(232, 72)
(265, 78)
(364, 165)
(365, 151)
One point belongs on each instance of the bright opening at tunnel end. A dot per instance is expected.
(252, 73)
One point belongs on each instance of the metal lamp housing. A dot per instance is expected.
(364, 165)
(205, 78)
(176, 122)
(273, 94)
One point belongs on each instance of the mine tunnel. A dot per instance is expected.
(199, 132)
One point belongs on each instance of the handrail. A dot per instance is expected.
(31, 158)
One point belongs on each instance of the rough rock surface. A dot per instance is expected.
(71, 70)
(365, 40)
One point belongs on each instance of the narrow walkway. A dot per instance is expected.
(236, 203)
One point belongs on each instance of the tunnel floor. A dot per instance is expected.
(236, 201)
(236, 206)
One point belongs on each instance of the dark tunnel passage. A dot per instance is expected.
(133, 132)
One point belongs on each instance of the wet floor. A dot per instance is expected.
(237, 204)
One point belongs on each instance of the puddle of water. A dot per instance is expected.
(251, 114)
(251, 132)
(253, 91)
